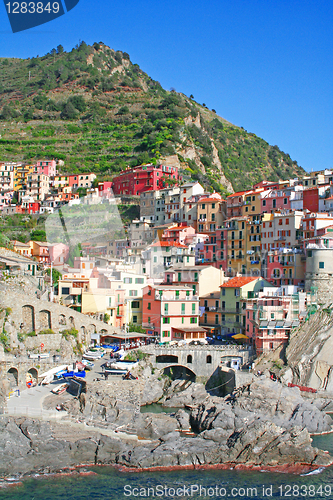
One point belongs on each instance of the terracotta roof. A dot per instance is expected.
(210, 200)
(168, 244)
(239, 193)
(238, 282)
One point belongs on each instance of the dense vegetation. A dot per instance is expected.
(95, 110)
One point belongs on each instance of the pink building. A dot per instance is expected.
(178, 233)
(171, 312)
(58, 253)
(270, 317)
(275, 199)
(47, 167)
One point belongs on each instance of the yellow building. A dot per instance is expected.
(21, 173)
(243, 245)
(252, 204)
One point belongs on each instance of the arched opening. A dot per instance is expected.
(83, 332)
(62, 320)
(180, 372)
(165, 358)
(12, 377)
(32, 376)
(92, 329)
(71, 322)
(44, 320)
(28, 316)
(189, 359)
(209, 359)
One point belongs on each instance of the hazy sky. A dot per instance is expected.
(263, 65)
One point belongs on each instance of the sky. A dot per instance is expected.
(263, 65)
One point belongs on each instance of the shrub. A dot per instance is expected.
(69, 333)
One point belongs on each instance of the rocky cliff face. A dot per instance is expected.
(309, 354)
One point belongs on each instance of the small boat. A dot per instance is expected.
(80, 366)
(60, 389)
(88, 364)
(93, 355)
(48, 379)
(39, 356)
(53, 371)
(89, 357)
(74, 374)
(117, 371)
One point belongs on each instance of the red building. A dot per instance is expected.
(311, 199)
(134, 181)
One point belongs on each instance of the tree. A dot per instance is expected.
(38, 235)
(69, 112)
(56, 275)
(60, 49)
(191, 96)
(78, 102)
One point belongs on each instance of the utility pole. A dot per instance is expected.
(51, 284)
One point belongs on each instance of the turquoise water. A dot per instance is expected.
(110, 484)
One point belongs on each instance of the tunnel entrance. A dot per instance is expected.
(179, 372)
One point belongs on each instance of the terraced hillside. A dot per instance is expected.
(95, 110)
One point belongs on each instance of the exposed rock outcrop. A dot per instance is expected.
(309, 354)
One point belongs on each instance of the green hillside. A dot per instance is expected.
(96, 111)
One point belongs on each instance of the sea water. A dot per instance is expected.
(111, 484)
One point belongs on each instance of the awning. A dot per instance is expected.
(239, 336)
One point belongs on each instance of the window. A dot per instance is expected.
(177, 294)
(149, 320)
(321, 265)
(194, 320)
(285, 201)
(166, 320)
(205, 318)
(166, 308)
(216, 319)
(193, 308)
(272, 315)
(237, 319)
(223, 317)
(165, 333)
(189, 358)
(127, 280)
(264, 204)
(179, 276)
(133, 293)
(65, 291)
(135, 319)
(187, 293)
(223, 293)
(149, 292)
(149, 306)
(195, 276)
(236, 292)
(139, 281)
(208, 359)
